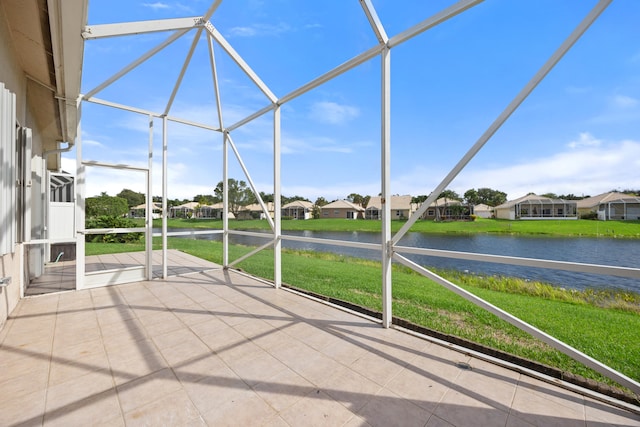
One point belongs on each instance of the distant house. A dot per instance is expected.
(448, 209)
(185, 210)
(401, 207)
(141, 210)
(254, 211)
(213, 211)
(342, 209)
(299, 209)
(533, 206)
(483, 211)
(611, 206)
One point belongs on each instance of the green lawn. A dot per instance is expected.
(611, 335)
(586, 228)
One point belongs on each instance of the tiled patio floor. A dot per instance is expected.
(218, 348)
(61, 276)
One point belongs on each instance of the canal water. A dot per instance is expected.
(605, 251)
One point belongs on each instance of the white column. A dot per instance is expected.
(385, 175)
(80, 183)
(225, 200)
(277, 230)
(149, 209)
(165, 211)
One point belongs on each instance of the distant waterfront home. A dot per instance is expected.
(342, 209)
(401, 207)
(445, 209)
(140, 211)
(533, 206)
(299, 209)
(483, 211)
(611, 206)
(185, 210)
(254, 211)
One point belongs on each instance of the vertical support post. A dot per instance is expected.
(225, 200)
(277, 213)
(165, 211)
(81, 181)
(387, 244)
(148, 272)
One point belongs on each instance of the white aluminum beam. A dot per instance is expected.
(165, 186)
(225, 200)
(277, 184)
(148, 217)
(80, 184)
(92, 32)
(633, 273)
(135, 63)
(99, 101)
(250, 254)
(214, 76)
(189, 233)
(251, 184)
(513, 105)
(252, 117)
(240, 62)
(376, 25)
(431, 22)
(340, 69)
(385, 174)
(185, 65)
(321, 241)
(252, 234)
(114, 165)
(524, 326)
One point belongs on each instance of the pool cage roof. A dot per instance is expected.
(202, 28)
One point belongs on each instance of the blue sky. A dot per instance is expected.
(578, 132)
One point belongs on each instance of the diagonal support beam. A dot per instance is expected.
(251, 184)
(240, 62)
(135, 63)
(524, 326)
(513, 105)
(92, 32)
(376, 25)
(431, 22)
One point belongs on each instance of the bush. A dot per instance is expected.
(108, 221)
(589, 215)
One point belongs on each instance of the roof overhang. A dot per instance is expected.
(47, 38)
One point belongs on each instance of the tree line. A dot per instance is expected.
(241, 195)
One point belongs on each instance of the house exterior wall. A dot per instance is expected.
(507, 213)
(341, 213)
(14, 79)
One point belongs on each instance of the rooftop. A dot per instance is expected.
(218, 347)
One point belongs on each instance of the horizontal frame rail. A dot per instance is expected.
(187, 233)
(522, 325)
(633, 273)
(346, 243)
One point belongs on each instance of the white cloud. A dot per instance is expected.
(623, 101)
(332, 112)
(585, 169)
(585, 140)
(156, 6)
(92, 142)
(260, 30)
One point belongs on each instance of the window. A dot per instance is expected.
(431, 212)
(8, 170)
